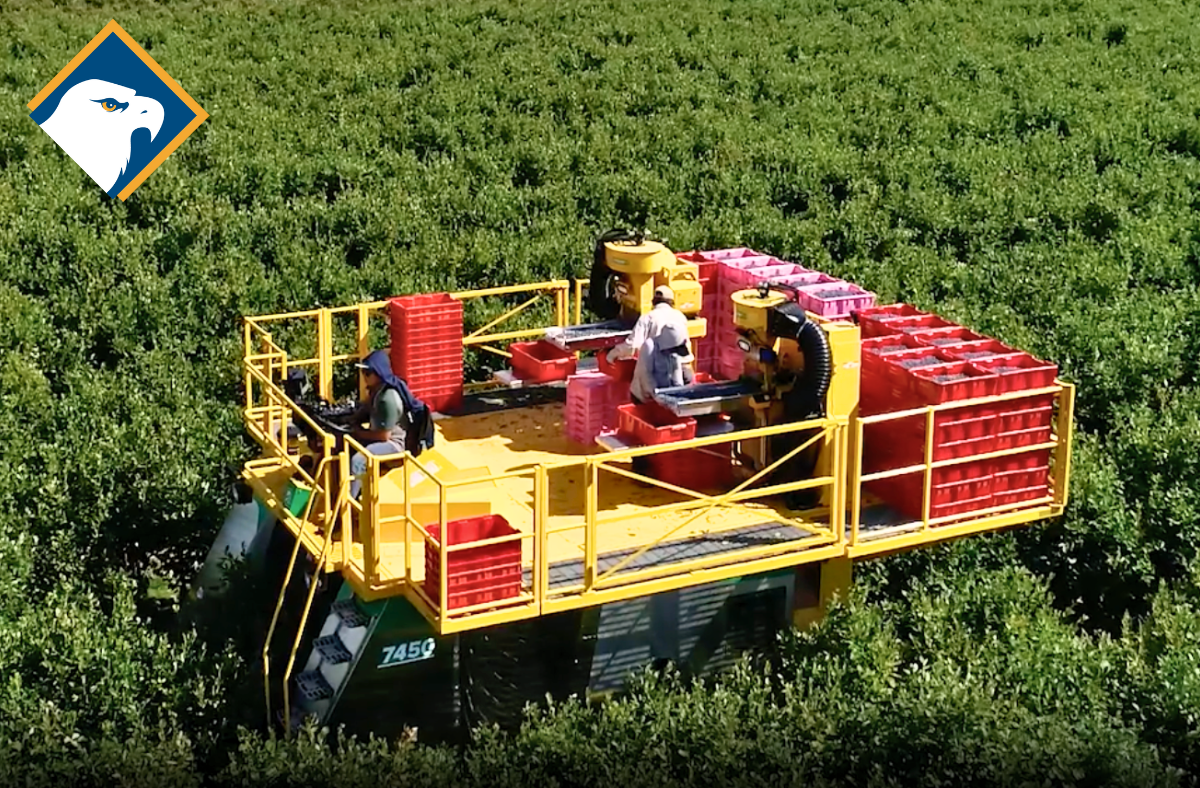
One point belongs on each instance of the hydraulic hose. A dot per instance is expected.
(806, 400)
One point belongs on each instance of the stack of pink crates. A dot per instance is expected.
(741, 268)
(592, 402)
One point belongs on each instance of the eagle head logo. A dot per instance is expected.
(94, 124)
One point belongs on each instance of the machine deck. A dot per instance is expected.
(509, 431)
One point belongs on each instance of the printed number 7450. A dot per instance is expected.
(413, 651)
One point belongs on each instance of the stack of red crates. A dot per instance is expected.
(427, 352)
(476, 574)
(912, 359)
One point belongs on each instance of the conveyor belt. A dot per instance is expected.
(701, 399)
(593, 336)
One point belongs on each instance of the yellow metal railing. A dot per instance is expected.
(1059, 446)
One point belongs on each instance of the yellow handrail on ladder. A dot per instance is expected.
(287, 578)
(312, 592)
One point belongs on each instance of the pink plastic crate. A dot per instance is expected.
(730, 254)
(834, 299)
(769, 272)
(800, 277)
(750, 261)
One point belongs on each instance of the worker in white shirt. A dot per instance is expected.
(660, 363)
(650, 325)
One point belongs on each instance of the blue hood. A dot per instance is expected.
(378, 363)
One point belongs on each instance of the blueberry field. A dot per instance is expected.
(1030, 169)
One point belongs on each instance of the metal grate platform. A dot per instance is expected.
(566, 573)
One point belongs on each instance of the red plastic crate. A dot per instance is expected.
(898, 369)
(1023, 461)
(1014, 497)
(1020, 438)
(1025, 414)
(875, 350)
(440, 401)
(981, 349)
(426, 307)
(951, 382)
(652, 424)
(890, 312)
(947, 337)
(475, 574)
(1019, 372)
(704, 468)
(708, 272)
(694, 256)
(909, 325)
(1034, 478)
(946, 498)
(621, 370)
(878, 320)
(541, 361)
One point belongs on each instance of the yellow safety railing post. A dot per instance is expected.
(1062, 452)
(247, 343)
(579, 283)
(368, 517)
(856, 494)
(926, 498)
(364, 348)
(541, 525)
(443, 553)
(590, 490)
(324, 353)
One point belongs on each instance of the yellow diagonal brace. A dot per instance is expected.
(719, 502)
(515, 310)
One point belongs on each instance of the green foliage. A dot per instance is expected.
(1028, 169)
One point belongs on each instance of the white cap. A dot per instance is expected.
(665, 293)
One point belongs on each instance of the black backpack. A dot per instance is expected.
(418, 422)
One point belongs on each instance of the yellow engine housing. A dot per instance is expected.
(643, 267)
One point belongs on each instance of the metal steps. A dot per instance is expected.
(332, 658)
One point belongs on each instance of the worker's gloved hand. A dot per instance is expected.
(611, 356)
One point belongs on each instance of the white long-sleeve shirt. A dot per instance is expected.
(649, 326)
